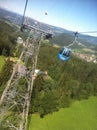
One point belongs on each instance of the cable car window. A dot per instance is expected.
(67, 53)
(61, 51)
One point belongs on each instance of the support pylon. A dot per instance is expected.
(15, 99)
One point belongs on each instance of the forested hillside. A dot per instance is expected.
(8, 37)
(65, 82)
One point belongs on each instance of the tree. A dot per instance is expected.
(4, 52)
(49, 103)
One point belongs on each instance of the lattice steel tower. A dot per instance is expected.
(15, 99)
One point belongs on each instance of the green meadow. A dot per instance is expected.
(2, 61)
(82, 115)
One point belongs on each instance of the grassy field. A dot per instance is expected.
(1, 62)
(82, 115)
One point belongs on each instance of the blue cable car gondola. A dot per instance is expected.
(64, 54)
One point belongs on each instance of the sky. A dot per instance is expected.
(74, 15)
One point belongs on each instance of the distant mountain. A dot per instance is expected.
(59, 33)
(89, 39)
(17, 19)
(10, 16)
